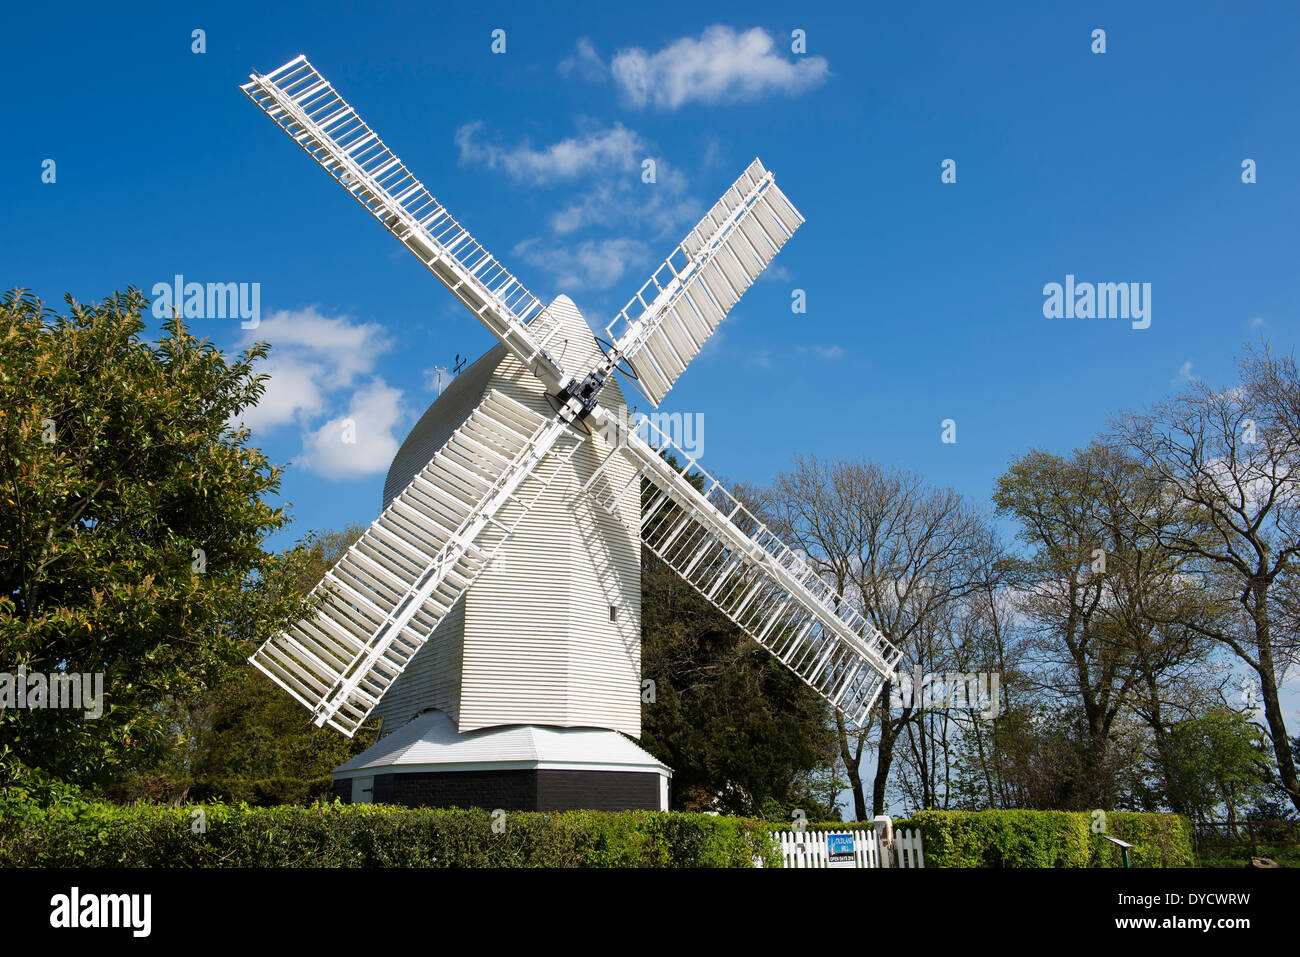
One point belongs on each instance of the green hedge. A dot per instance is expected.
(1050, 839)
(1041, 838)
(367, 835)
(84, 834)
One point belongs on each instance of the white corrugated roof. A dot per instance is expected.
(432, 740)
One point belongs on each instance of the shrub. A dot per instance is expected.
(262, 792)
(1050, 839)
(1160, 840)
(78, 833)
(95, 834)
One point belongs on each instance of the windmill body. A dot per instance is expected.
(533, 641)
(490, 614)
(528, 692)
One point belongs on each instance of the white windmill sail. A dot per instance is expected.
(306, 107)
(385, 597)
(748, 573)
(681, 305)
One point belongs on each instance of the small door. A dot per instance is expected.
(363, 790)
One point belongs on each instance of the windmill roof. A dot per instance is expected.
(432, 742)
(577, 348)
(440, 419)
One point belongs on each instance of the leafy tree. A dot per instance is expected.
(253, 729)
(1091, 583)
(1219, 760)
(742, 734)
(132, 519)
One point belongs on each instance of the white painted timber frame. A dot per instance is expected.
(804, 849)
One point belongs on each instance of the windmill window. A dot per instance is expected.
(613, 612)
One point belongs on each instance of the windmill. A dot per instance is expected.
(490, 614)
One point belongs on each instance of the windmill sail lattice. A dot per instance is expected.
(305, 106)
(748, 573)
(681, 305)
(384, 598)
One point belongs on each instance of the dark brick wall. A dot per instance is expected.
(597, 790)
(509, 790)
(516, 790)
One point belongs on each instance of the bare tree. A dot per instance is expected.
(949, 756)
(986, 631)
(898, 549)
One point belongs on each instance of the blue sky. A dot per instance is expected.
(925, 299)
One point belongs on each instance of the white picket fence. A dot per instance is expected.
(810, 849)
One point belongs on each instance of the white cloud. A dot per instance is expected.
(361, 441)
(615, 148)
(720, 66)
(1250, 485)
(658, 209)
(1184, 372)
(311, 356)
(292, 393)
(316, 364)
(1257, 322)
(822, 352)
(611, 195)
(609, 161)
(591, 264)
(586, 63)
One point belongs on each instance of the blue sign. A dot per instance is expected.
(839, 849)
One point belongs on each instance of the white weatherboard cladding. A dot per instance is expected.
(532, 639)
(431, 680)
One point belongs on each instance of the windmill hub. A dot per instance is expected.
(490, 616)
(579, 398)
